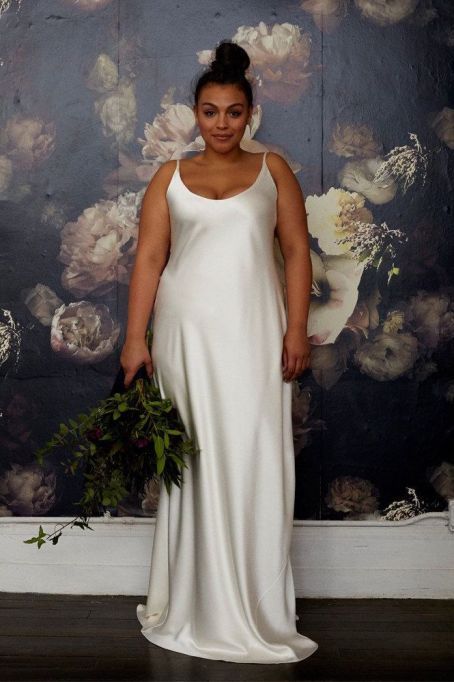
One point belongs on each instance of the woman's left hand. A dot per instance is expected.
(295, 354)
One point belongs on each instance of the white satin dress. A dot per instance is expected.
(221, 583)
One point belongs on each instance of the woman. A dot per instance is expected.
(225, 350)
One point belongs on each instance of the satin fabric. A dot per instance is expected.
(221, 583)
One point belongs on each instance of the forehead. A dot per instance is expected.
(222, 94)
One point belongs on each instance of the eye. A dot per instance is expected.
(208, 112)
(236, 113)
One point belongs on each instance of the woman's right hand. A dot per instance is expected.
(134, 354)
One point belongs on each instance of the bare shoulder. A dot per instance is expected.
(281, 171)
(161, 179)
(278, 165)
(165, 171)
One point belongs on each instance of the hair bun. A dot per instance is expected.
(230, 57)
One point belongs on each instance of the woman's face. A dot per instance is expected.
(222, 114)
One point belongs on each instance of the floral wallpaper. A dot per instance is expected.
(357, 96)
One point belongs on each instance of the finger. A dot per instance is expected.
(290, 368)
(305, 362)
(299, 369)
(128, 378)
(284, 359)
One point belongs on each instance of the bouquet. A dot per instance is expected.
(125, 440)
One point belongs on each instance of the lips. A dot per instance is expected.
(222, 137)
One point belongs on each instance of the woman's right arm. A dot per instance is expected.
(150, 259)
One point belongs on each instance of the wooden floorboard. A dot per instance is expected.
(57, 638)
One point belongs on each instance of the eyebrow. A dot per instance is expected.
(235, 104)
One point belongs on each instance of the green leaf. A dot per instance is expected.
(158, 446)
(160, 464)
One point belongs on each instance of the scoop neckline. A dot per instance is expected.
(226, 198)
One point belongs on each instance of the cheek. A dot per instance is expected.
(238, 124)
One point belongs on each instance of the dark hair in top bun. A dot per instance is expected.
(227, 67)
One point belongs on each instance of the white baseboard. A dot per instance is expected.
(357, 559)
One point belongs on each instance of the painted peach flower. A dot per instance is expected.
(98, 248)
(386, 357)
(279, 55)
(431, 317)
(386, 12)
(352, 495)
(349, 139)
(28, 490)
(84, 332)
(327, 14)
(27, 141)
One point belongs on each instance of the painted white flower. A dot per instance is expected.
(279, 54)
(27, 141)
(327, 14)
(103, 76)
(42, 302)
(332, 216)
(443, 124)
(334, 296)
(386, 357)
(386, 12)
(28, 490)
(118, 112)
(98, 249)
(350, 139)
(83, 332)
(358, 176)
(431, 316)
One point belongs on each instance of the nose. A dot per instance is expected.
(221, 123)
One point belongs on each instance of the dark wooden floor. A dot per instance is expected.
(56, 638)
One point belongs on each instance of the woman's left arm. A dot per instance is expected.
(293, 239)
